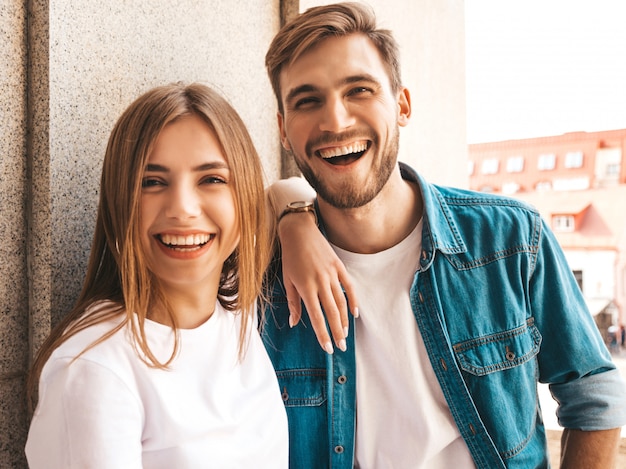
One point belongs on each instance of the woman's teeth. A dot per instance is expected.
(182, 241)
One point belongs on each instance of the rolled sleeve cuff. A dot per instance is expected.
(594, 402)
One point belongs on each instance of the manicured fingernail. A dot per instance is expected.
(292, 321)
(345, 331)
(356, 312)
(342, 345)
(328, 347)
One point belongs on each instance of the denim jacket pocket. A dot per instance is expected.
(302, 387)
(499, 351)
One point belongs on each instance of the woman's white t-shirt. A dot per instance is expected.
(109, 409)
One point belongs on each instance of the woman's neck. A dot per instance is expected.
(192, 307)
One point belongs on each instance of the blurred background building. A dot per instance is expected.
(577, 181)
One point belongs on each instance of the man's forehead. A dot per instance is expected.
(334, 60)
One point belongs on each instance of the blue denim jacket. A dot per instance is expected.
(498, 309)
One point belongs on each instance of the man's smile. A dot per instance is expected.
(344, 154)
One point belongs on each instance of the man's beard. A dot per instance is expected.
(351, 194)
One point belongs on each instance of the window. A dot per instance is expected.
(543, 186)
(490, 166)
(515, 164)
(608, 165)
(510, 188)
(578, 275)
(546, 162)
(563, 222)
(612, 169)
(571, 184)
(470, 168)
(574, 159)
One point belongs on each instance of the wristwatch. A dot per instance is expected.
(298, 207)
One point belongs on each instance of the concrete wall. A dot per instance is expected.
(67, 70)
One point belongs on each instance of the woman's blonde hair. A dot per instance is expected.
(117, 269)
(319, 23)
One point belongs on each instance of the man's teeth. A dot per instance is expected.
(189, 240)
(343, 151)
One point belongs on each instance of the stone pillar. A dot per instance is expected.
(13, 228)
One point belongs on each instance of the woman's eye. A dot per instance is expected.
(150, 182)
(214, 180)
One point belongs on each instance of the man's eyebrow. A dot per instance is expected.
(359, 78)
(299, 90)
(157, 168)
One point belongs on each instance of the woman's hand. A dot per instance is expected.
(313, 273)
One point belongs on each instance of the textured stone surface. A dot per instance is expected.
(13, 284)
(13, 428)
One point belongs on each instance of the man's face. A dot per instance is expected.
(341, 119)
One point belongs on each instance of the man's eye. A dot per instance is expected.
(304, 102)
(359, 90)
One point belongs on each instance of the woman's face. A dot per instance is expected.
(188, 218)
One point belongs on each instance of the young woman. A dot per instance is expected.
(159, 364)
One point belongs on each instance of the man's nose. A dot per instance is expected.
(336, 115)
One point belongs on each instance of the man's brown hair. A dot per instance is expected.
(319, 23)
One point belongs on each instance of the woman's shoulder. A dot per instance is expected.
(101, 331)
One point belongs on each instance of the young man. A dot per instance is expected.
(465, 299)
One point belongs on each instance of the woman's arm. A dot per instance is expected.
(312, 272)
(86, 417)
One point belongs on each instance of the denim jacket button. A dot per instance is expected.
(338, 449)
(342, 379)
(510, 355)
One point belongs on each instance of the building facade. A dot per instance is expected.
(572, 161)
(577, 181)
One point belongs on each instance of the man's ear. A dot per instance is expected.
(281, 129)
(404, 107)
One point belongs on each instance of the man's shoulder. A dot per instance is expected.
(455, 196)
(438, 197)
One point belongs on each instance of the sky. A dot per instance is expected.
(544, 67)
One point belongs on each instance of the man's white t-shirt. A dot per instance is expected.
(108, 409)
(403, 420)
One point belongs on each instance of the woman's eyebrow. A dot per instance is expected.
(157, 168)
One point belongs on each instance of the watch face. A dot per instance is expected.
(300, 204)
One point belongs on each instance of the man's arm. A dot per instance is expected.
(589, 449)
(311, 269)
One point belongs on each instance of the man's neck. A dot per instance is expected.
(380, 224)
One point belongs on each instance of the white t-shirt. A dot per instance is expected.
(403, 420)
(108, 409)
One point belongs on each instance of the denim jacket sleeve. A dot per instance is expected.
(574, 361)
(509, 308)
